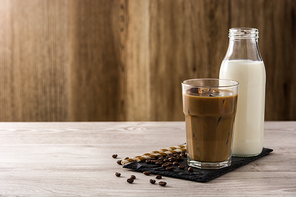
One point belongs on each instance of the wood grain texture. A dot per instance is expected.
(74, 159)
(276, 22)
(33, 60)
(120, 21)
(137, 62)
(170, 36)
(94, 67)
(102, 60)
(188, 40)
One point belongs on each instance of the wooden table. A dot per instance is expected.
(75, 159)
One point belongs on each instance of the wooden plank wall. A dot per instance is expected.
(101, 60)
(34, 62)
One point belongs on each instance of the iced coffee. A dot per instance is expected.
(209, 106)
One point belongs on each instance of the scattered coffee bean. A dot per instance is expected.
(147, 173)
(162, 183)
(159, 163)
(181, 167)
(165, 160)
(130, 180)
(152, 181)
(119, 162)
(148, 161)
(117, 174)
(181, 158)
(126, 158)
(158, 176)
(170, 168)
(190, 169)
(114, 156)
(169, 155)
(176, 163)
(165, 165)
(133, 177)
(171, 159)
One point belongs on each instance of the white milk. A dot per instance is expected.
(249, 121)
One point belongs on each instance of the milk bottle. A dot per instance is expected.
(244, 64)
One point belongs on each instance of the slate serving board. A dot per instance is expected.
(199, 175)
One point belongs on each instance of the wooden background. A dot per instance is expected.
(100, 60)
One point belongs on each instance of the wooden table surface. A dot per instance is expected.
(75, 159)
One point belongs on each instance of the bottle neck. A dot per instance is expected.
(243, 44)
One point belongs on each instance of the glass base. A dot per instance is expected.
(208, 165)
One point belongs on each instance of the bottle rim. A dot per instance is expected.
(243, 33)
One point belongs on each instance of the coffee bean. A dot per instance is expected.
(170, 168)
(181, 167)
(190, 169)
(114, 156)
(165, 160)
(181, 158)
(167, 164)
(172, 159)
(159, 163)
(130, 180)
(117, 174)
(147, 173)
(158, 176)
(133, 177)
(176, 163)
(126, 158)
(162, 183)
(152, 181)
(169, 155)
(119, 162)
(148, 161)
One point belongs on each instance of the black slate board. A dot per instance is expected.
(198, 175)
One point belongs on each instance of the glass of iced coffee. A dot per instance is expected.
(209, 106)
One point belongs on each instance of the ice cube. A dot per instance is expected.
(214, 93)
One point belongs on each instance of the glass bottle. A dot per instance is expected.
(243, 63)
